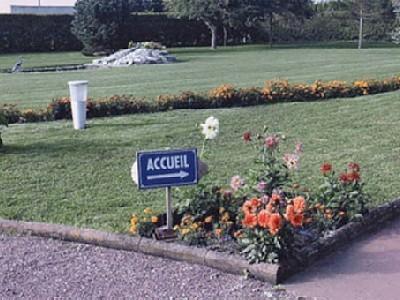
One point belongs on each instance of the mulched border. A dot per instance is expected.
(273, 273)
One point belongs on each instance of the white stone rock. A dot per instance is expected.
(136, 56)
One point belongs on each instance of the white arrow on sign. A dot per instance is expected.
(203, 169)
(181, 174)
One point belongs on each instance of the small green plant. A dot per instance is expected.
(341, 198)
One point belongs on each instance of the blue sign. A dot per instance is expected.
(167, 168)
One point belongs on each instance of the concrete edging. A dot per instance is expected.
(234, 264)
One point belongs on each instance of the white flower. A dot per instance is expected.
(210, 128)
(292, 161)
(236, 183)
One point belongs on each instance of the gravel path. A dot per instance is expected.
(37, 268)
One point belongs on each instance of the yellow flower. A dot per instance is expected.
(225, 217)
(134, 221)
(194, 226)
(185, 231)
(133, 229)
(186, 219)
(208, 219)
(148, 211)
(154, 219)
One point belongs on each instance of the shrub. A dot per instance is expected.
(97, 22)
(36, 33)
(225, 95)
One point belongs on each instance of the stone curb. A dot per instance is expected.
(222, 261)
(234, 264)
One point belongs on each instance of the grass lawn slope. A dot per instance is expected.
(199, 69)
(49, 172)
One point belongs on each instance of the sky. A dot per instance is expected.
(5, 4)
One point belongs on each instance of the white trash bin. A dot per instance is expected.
(78, 91)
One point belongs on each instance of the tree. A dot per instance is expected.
(97, 22)
(265, 10)
(207, 11)
(379, 12)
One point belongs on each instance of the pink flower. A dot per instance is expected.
(299, 148)
(272, 142)
(292, 161)
(236, 183)
(261, 186)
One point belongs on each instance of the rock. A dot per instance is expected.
(136, 56)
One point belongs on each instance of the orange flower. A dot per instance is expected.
(250, 206)
(299, 204)
(297, 220)
(249, 221)
(247, 207)
(275, 223)
(263, 218)
(275, 197)
(289, 212)
(255, 202)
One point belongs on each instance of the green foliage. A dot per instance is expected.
(36, 33)
(97, 22)
(342, 198)
(219, 97)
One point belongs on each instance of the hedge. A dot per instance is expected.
(223, 96)
(42, 33)
(36, 33)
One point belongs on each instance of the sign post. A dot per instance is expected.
(165, 169)
(170, 219)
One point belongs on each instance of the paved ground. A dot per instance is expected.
(35, 268)
(368, 269)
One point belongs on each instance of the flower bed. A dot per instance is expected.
(220, 97)
(265, 215)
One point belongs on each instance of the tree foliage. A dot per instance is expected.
(97, 22)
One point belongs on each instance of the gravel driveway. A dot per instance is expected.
(37, 268)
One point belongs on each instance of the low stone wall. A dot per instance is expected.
(273, 273)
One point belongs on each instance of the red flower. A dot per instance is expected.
(344, 178)
(326, 168)
(353, 176)
(247, 136)
(354, 167)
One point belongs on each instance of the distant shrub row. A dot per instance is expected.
(42, 33)
(36, 33)
(220, 97)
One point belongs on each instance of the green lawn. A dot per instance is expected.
(199, 69)
(52, 173)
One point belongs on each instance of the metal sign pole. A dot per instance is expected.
(170, 221)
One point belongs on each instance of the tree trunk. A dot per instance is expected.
(271, 32)
(213, 30)
(360, 35)
(225, 36)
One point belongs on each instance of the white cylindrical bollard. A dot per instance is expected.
(78, 92)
